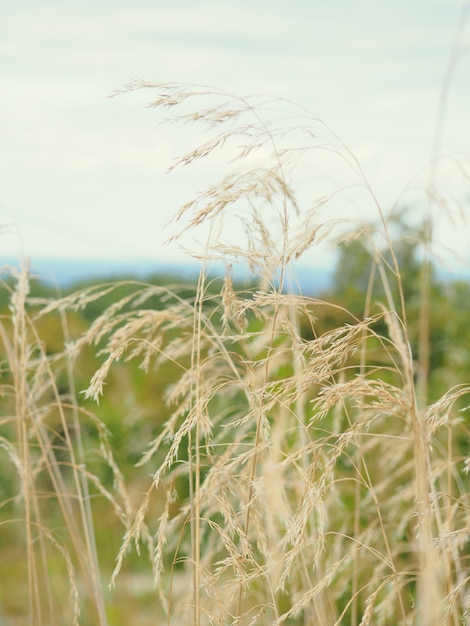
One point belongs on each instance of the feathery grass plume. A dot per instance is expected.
(306, 468)
(324, 422)
(293, 468)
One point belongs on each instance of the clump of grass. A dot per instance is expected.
(299, 478)
(48, 526)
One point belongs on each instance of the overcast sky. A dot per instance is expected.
(82, 175)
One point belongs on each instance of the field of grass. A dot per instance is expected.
(217, 453)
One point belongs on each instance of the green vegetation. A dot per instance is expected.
(214, 453)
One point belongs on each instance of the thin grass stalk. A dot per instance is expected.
(193, 448)
(19, 364)
(449, 523)
(82, 486)
(428, 584)
(301, 416)
(431, 592)
(257, 439)
(424, 322)
(358, 459)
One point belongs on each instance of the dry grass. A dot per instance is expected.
(296, 481)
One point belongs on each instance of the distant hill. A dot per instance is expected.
(66, 272)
